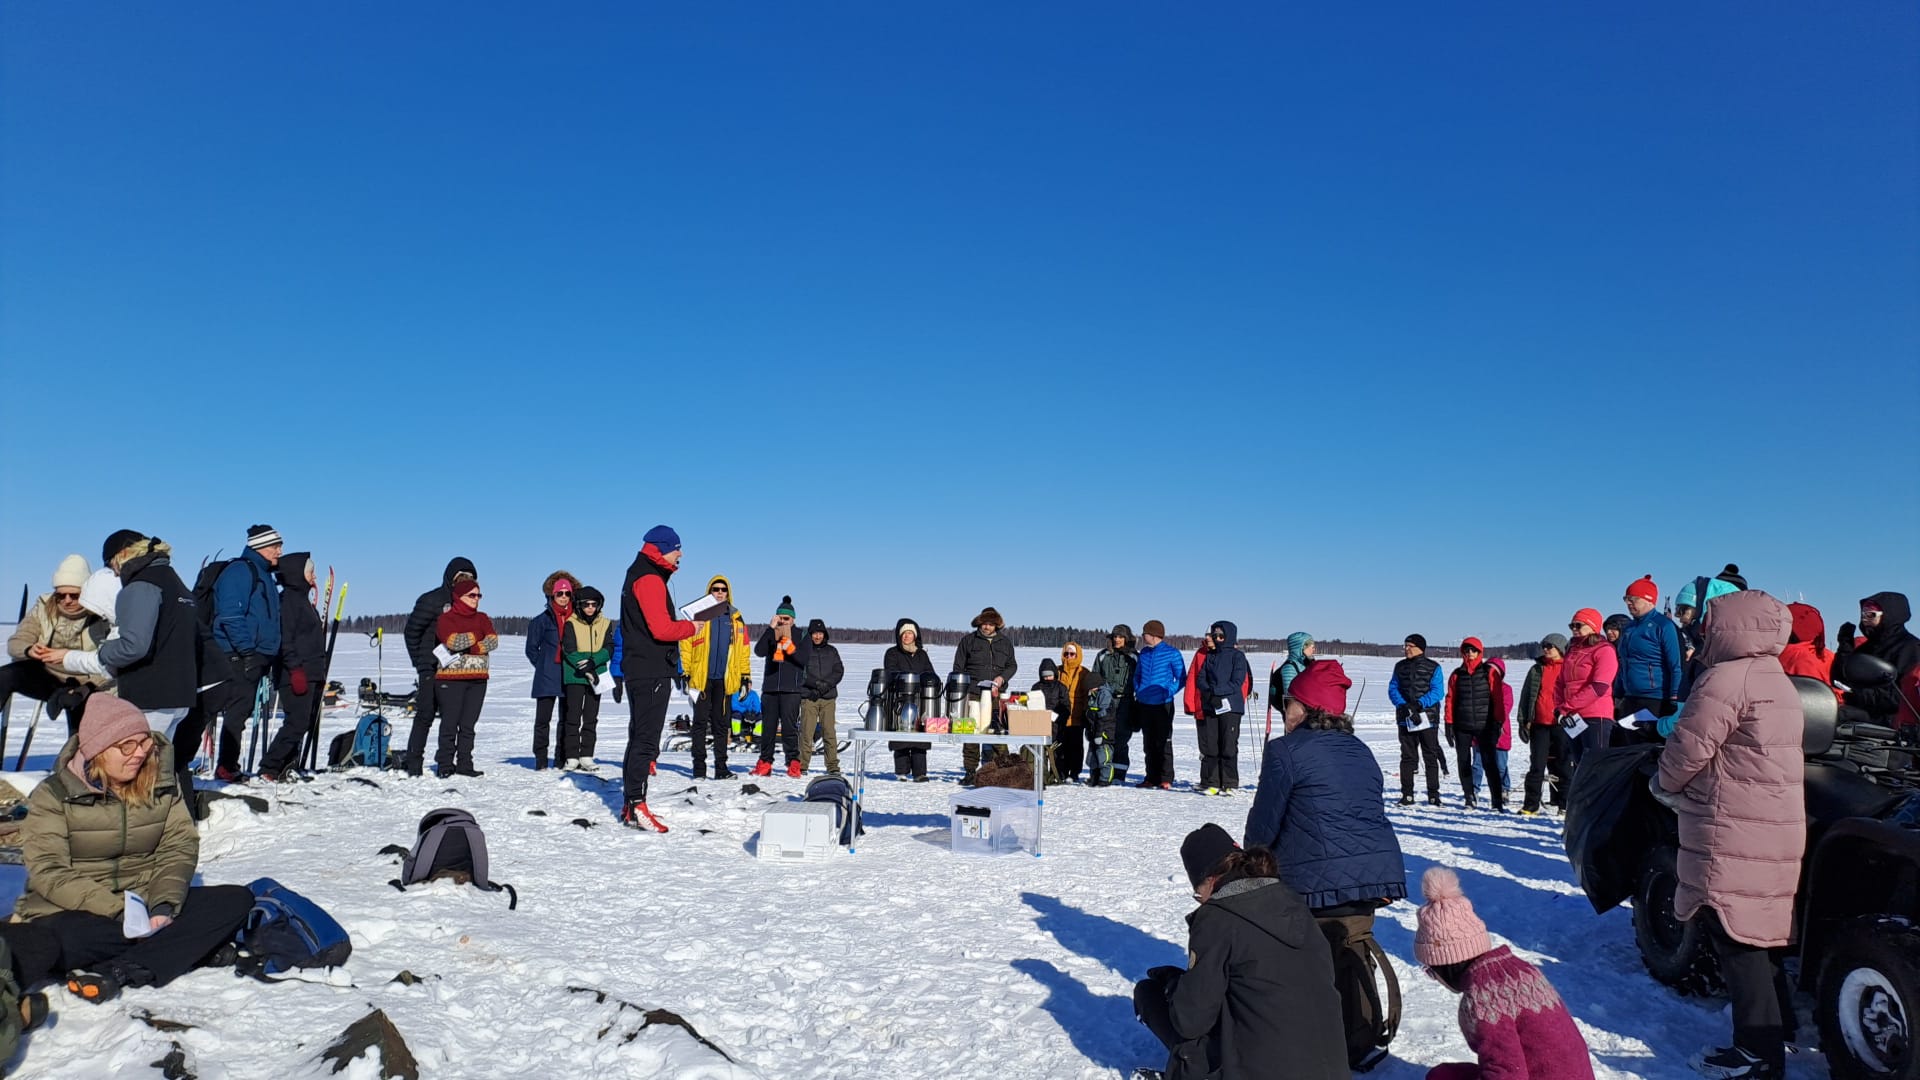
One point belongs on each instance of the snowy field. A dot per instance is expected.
(903, 960)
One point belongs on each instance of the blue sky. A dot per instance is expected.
(1355, 321)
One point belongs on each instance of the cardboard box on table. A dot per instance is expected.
(1029, 722)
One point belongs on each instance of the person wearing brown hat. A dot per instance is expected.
(987, 656)
(109, 823)
(1258, 990)
(1158, 678)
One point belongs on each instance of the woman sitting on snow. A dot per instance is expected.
(108, 823)
(1256, 998)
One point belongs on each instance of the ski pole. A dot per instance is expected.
(32, 726)
(326, 669)
(6, 710)
(262, 712)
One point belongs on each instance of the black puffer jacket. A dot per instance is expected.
(427, 610)
(1257, 998)
(824, 669)
(783, 676)
(1473, 699)
(1890, 641)
(303, 637)
(985, 657)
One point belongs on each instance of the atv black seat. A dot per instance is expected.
(1822, 711)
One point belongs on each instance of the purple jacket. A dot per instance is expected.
(1516, 1024)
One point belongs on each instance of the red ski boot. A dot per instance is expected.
(763, 768)
(637, 816)
(794, 770)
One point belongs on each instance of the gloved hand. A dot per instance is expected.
(618, 692)
(297, 679)
(1526, 731)
(246, 666)
(1668, 723)
(460, 642)
(584, 666)
(1843, 642)
(1668, 799)
(680, 683)
(489, 643)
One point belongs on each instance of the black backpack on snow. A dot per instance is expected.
(450, 845)
(836, 792)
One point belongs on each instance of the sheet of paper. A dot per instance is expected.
(1225, 706)
(1638, 718)
(1575, 725)
(443, 654)
(135, 923)
(1426, 722)
(603, 683)
(692, 611)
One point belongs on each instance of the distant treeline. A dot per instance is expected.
(1037, 637)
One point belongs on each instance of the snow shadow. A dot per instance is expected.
(912, 821)
(1127, 950)
(1496, 898)
(1101, 1027)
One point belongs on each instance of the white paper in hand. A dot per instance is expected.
(135, 923)
(692, 611)
(1575, 725)
(1225, 706)
(1638, 718)
(603, 684)
(1426, 722)
(443, 655)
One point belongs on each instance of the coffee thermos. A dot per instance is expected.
(875, 713)
(904, 702)
(959, 696)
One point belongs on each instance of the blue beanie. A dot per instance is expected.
(663, 539)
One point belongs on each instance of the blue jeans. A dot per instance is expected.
(1506, 784)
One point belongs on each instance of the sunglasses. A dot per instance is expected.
(717, 589)
(1576, 627)
(475, 595)
(73, 596)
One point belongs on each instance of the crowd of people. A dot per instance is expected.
(140, 666)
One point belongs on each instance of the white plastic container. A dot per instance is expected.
(993, 821)
(798, 830)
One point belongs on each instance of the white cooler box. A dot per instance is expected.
(798, 830)
(993, 821)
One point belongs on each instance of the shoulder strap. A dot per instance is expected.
(1390, 1023)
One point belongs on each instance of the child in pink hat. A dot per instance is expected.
(1510, 1014)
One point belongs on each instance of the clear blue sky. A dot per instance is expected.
(1356, 321)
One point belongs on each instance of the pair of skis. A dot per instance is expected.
(311, 752)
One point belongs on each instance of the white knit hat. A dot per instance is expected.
(72, 573)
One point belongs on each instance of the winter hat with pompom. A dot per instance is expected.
(1450, 932)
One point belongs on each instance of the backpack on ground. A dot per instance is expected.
(835, 791)
(449, 845)
(285, 930)
(367, 744)
(1369, 1024)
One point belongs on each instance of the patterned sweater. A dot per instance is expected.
(469, 636)
(1516, 1023)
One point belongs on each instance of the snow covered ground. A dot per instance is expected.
(903, 960)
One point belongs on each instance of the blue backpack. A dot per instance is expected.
(366, 744)
(285, 931)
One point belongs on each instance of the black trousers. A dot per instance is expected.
(292, 736)
(1150, 1008)
(1484, 742)
(31, 678)
(579, 722)
(1597, 736)
(1762, 1001)
(234, 701)
(1068, 751)
(459, 701)
(780, 710)
(1156, 738)
(1418, 745)
(1219, 749)
(712, 723)
(909, 758)
(543, 727)
(1547, 751)
(425, 701)
(53, 945)
(646, 714)
(1112, 732)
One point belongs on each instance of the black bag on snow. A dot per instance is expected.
(835, 791)
(449, 845)
(1370, 1024)
(285, 931)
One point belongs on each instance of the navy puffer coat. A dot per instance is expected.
(1319, 809)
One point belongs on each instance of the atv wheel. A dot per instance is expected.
(1677, 953)
(1869, 990)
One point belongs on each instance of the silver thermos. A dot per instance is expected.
(906, 701)
(875, 712)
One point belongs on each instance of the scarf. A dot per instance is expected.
(560, 617)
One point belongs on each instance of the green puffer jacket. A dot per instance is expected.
(84, 848)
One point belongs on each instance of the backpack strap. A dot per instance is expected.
(1390, 1024)
(513, 898)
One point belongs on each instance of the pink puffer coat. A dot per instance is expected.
(1735, 759)
(1586, 679)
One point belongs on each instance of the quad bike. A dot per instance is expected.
(1857, 909)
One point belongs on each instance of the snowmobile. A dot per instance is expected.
(1858, 904)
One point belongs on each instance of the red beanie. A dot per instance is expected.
(1590, 617)
(1322, 686)
(1645, 589)
(1474, 644)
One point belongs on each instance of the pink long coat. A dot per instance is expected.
(1736, 761)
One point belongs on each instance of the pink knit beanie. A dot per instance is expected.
(109, 720)
(1449, 930)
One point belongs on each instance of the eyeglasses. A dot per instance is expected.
(67, 597)
(475, 595)
(589, 603)
(718, 589)
(139, 744)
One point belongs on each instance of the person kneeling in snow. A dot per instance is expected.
(1257, 997)
(1511, 1015)
(109, 822)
